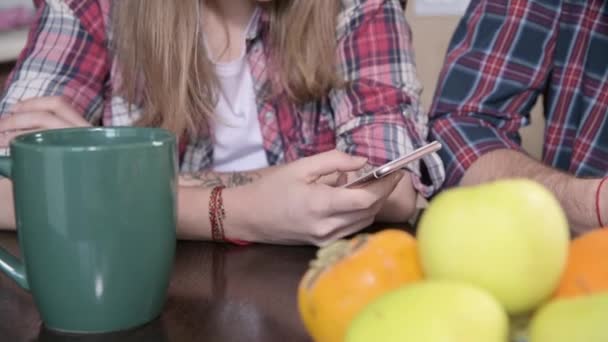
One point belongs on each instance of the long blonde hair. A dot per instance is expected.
(163, 62)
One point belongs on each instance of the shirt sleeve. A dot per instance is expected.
(378, 112)
(65, 55)
(496, 66)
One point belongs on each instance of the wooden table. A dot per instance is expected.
(217, 293)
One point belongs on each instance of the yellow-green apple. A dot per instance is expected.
(431, 311)
(571, 320)
(509, 237)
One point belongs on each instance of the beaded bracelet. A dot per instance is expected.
(217, 214)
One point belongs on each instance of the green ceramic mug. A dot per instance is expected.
(96, 217)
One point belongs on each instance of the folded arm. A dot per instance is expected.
(378, 113)
(65, 56)
(485, 93)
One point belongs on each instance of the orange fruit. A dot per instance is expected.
(587, 267)
(349, 274)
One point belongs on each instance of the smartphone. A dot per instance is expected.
(392, 166)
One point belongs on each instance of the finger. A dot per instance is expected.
(342, 179)
(32, 120)
(6, 138)
(333, 179)
(54, 104)
(382, 188)
(385, 186)
(340, 200)
(344, 231)
(328, 162)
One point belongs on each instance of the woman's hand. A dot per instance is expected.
(289, 206)
(38, 114)
(399, 207)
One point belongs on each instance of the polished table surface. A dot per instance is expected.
(217, 293)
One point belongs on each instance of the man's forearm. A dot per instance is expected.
(576, 195)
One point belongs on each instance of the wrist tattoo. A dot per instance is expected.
(208, 179)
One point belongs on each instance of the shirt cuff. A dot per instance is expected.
(464, 142)
(381, 143)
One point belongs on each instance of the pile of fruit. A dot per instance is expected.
(490, 263)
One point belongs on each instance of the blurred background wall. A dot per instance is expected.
(15, 15)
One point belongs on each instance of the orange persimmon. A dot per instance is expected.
(349, 274)
(587, 267)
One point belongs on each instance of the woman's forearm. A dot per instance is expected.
(210, 179)
(193, 200)
(193, 203)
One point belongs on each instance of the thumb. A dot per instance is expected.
(329, 162)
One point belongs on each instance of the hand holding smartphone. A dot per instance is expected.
(392, 166)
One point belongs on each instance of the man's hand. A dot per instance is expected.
(576, 195)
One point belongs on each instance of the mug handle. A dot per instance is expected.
(9, 264)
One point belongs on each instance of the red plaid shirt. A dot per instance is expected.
(378, 115)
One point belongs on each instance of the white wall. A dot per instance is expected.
(12, 42)
(12, 3)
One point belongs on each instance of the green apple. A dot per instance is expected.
(431, 311)
(509, 237)
(571, 320)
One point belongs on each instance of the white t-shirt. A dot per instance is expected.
(236, 129)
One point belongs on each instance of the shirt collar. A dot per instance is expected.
(258, 22)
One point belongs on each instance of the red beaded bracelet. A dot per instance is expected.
(217, 214)
(597, 202)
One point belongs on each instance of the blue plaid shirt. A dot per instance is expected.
(502, 57)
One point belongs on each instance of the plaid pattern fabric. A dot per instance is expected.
(377, 115)
(503, 55)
